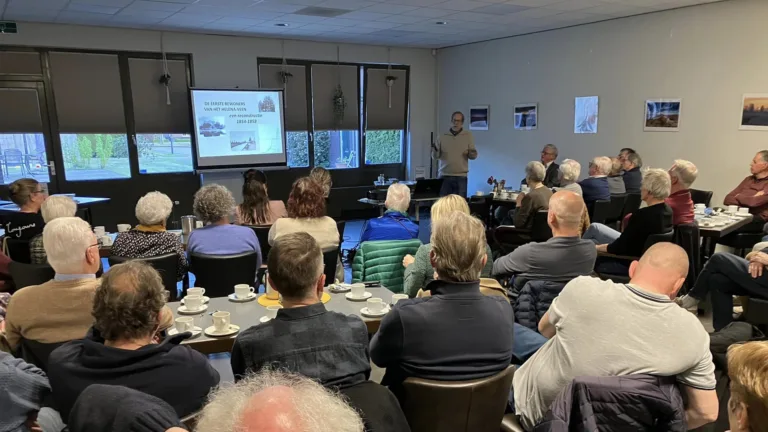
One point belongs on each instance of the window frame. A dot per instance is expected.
(406, 112)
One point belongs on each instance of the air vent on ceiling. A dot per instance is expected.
(321, 12)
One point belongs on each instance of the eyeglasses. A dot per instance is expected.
(457, 120)
(95, 244)
(40, 191)
(548, 153)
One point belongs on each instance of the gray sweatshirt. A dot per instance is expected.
(454, 153)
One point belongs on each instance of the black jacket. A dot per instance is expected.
(633, 180)
(552, 177)
(655, 219)
(534, 301)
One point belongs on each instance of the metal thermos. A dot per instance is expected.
(188, 224)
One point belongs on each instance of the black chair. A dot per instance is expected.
(340, 226)
(167, 265)
(14, 157)
(631, 204)
(616, 209)
(650, 241)
(330, 262)
(36, 353)
(25, 275)
(480, 207)
(219, 274)
(599, 211)
(541, 232)
(18, 250)
(688, 237)
(262, 234)
(701, 197)
(508, 238)
(743, 242)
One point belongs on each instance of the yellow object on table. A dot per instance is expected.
(264, 301)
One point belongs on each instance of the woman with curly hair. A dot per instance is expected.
(256, 208)
(213, 204)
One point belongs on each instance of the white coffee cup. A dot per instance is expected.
(733, 209)
(272, 311)
(196, 291)
(397, 297)
(375, 305)
(700, 206)
(221, 320)
(123, 227)
(99, 231)
(358, 290)
(193, 302)
(243, 291)
(184, 324)
(106, 240)
(743, 210)
(479, 193)
(198, 224)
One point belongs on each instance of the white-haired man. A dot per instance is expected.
(456, 334)
(682, 174)
(395, 223)
(53, 207)
(595, 187)
(600, 328)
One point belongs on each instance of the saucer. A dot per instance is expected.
(211, 331)
(251, 297)
(195, 331)
(364, 297)
(184, 311)
(365, 312)
(339, 288)
(742, 214)
(265, 319)
(206, 299)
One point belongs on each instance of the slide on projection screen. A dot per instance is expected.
(238, 128)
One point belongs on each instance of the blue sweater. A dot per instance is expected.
(595, 188)
(224, 240)
(392, 226)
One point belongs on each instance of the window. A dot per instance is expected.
(22, 143)
(336, 149)
(95, 156)
(386, 104)
(383, 147)
(297, 149)
(164, 153)
(293, 79)
(337, 136)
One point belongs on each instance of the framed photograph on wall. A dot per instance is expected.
(662, 115)
(586, 110)
(526, 116)
(754, 112)
(479, 117)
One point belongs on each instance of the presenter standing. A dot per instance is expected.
(454, 149)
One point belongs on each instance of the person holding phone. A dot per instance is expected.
(453, 150)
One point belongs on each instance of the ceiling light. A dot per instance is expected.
(281, 25)
(441, 23)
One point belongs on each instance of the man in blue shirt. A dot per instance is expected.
(595, 187)
(394, 224)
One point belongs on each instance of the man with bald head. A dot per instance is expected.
(600, 328)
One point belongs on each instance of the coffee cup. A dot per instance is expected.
(700, 206)
(123, 227)
(196, 291)
(221, 320)
(358, 290)
(479, 193)
(397, 297)
(193, 302)
(106, 240)
(743, 210)
(271, 293)
(375, 305)
(184, 324)
(198, 224)
(272, 311)
(733, 209)
(99, 231)
(243, 291)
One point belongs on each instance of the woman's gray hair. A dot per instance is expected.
(535, 171)
(570, 170)
(153, 208)
(657, 183)
(212, 203)
(305, 405)
(398, 197)
(56, 206)
(603, 164)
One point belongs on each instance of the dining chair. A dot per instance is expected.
(167, 265)
(24, 274)
(219, 274)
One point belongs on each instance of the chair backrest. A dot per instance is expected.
(18, 250)
(36, 353)
(25, 275)
(340, 225)
(658, 238)
(480, 207)
(166, 265)
(472, 406)
(540, 231)
(377, 405)
(701, 197)
(600, 211)
(330, 262)
(219, 274)
(688, 237)
(631, 204)
(617, 208)
(13, 156)
(262, 234)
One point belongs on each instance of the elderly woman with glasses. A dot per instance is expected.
(149, 238)
(394, 224)
(569, 174)
(26, 223)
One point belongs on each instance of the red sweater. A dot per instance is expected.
(682, 207)
(745, 195)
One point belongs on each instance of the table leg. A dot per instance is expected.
(417, 211)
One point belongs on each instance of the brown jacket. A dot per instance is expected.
(745, 195)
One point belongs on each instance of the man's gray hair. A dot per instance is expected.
(570, 170)
(657, 183)
(56, 206)
(635, 160)
(763, 154)
(552, 148)
(535, 171)
(212, 203)
(66, 241)
(153, 208)
(398, 197)
(685, 171)
(603, 165)
(458, 246)
(305, 406)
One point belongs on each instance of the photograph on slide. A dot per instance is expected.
(212, 126)
(585, 115)
(662, 115)
(243, 140)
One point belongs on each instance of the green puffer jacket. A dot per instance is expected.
(383, 261)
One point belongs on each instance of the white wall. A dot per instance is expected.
(228, 61)
(708, 55)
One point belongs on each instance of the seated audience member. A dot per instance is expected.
(323, 177)
(682, 174)
(752, 192)
(457, 333)
(257, 208)
(115, 408)
(748, 369)
(569, 174)
(58, 310)
(305, 338)
(22, 389)
(29, 195)
(53, 207)
(548, 158)
(623, 153)
(633, 178)
(615, 179)
(306, 213)
(600, 328)
(149, 238)
(595, 187)
(529, 204)
(395, 224)
(213, 204)
(119, 349)
(654, 219)
(418, 269)
(277, 402)
(559, 259)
